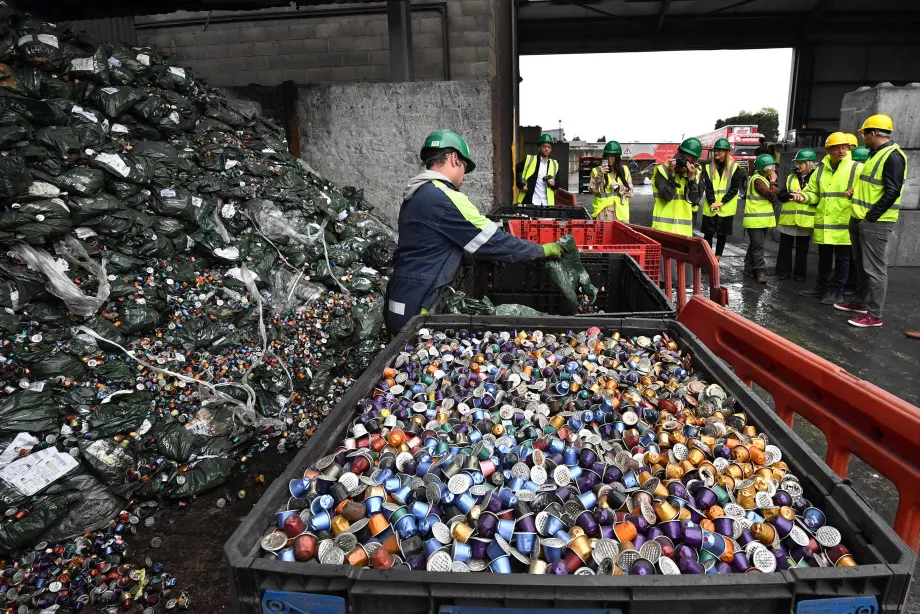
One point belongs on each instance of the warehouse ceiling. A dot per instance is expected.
(568, 26)
(64, 10)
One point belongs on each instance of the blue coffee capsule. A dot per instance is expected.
(570, 456)
(525, 541)
(431, 546)
(402, 493)
(423, 468)
(552, 549)
(494, 550)
(465, 502)
(553, 525)
(406, 527)
(507, 497)
(576, 472)
(501, 565)
(556, 446)
(321, 521)
(630, 479)
(753, 516)
(373, 505)
(420, 509)
(814, 518)
(324, 502)
(506, 529)
(391, 484)
(298, 487)
(588, 499)
(461, 552)
(516, 484)
(384, 475)
(287, 555)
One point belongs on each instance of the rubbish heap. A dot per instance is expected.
(578, 453)
(177, 292)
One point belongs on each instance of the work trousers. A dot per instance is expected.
(720, 241)
(870, 245)
(784, 266)
(753, 259)
(827, 256)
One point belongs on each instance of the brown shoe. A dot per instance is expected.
(915, 334)
(761, 277)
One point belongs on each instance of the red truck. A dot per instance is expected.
(745, 142)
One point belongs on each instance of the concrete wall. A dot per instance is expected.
(903, 105)
(369, 134)
(325, 44)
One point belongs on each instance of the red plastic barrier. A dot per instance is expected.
(564, 199)
(687, 250)
(597, 237)
(855, 416)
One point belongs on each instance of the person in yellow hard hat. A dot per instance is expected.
(852, 141)
(875, 201)
(827, 191)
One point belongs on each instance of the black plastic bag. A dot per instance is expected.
(30, 411)
(43, 515)
(207, 474)
(123, 413)
(137, 319)
(115, 100)
(38, 221)
(570, 276)
(81, 181)
(14, 178)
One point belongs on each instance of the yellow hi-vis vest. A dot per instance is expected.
(827, 189)
(758, 211)
(793, 213)
(720, 185)
(674, 215)
(531, 163)
(606, 198)
(870, 187)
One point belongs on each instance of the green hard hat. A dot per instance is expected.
(722, 144)
(448, 139)
(545, 138)
(806, 155)
(860, 154)
(691, 146)
(612, 148)
(762, 161)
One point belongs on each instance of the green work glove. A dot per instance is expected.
(552, 251)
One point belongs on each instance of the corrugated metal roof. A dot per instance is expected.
(119, 29)
(68, 10)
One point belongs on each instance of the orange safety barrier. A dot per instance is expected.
(687, 250)
(565, 199)
(856, 417)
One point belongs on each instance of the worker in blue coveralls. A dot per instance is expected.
(437, 224)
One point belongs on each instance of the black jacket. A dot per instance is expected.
(734, 186)
(531, 181)
(892, 178)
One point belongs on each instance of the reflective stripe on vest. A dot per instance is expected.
(758, 210)
(720, 184)
(870, 186)
(832, 214)
(793, 213)
(604, 199)
(530, 167)
(673, 215)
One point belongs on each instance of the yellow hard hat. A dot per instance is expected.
(852, 140)
(836, 138)
(877, 122)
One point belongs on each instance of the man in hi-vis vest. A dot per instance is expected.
(536, 176)
(876, 198)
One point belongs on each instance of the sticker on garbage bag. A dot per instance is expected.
(119, 128)
(179, 72)
(228, 210)
(174, 117)
(114, 162)
(143, 58)
(230, 164)
(114, 62)
(43, 190)
(84, 64)
(229, 253)
(32, 473)
(196, 201)
(168, 193)
(48, 39)
(84, 233)
(21, 441)
(78, 110)
(110, 90)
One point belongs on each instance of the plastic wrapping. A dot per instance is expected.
(59, 284)
(570, 276)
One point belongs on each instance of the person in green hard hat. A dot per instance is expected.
(759, 217)
(796, 220)
(438, 226)
(676, 188)
(723, 180)
(611, 184)
(536, 176)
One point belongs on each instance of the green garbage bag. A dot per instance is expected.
(81, 181)
(123, 413)
(43, 515)
(31, 411)
(136, 319)
(570, 277)
(207, 474)
(14, 178)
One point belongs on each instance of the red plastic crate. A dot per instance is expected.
(598, 237)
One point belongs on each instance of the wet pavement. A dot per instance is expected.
(893, 359)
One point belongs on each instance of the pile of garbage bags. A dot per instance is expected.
(176, 290)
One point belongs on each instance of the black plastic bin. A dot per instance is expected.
(882, 576)
(624, 288)
(530, 212)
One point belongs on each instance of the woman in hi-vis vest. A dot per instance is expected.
(612, 186)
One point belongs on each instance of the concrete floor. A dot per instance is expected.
(883, 356)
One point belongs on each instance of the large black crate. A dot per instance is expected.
(624, 289)
(529, 212)
(885, 561)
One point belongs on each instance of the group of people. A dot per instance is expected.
(848, 203)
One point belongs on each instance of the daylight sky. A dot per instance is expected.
(651, 97)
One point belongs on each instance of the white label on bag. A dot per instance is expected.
(24, 39)
(119, 128)
(115, 162)
(174, 117)
(168, 193)
(228, 210)
(110, 90)
(143, 58)
(114, 62)
(196, 201)
(228, 253)
(22, 440)
(43, 190)
(48, 39)
(34, 472)
(269, 150)
(230, 164)
(84, 64)
(84, 233)
(78, 110)
(179, 72)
